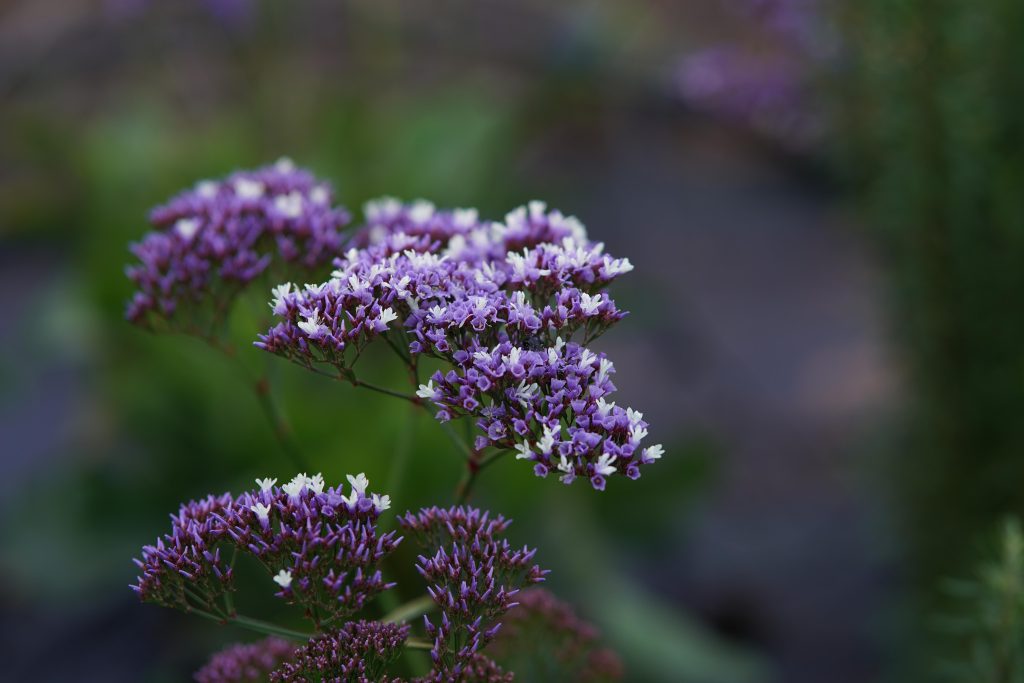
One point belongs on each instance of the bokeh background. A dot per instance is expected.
(823, 204)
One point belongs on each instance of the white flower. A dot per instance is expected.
(587, 357)
(248, 189)
(283, 578)
(638, 433)
(381, 503)
(266, 484)
(313, 326)
(427, 390)
(604, 408)
(261, 510)
(187, 228)
(603, 465)
(319, 195)
(526, 393)
(547, 441)
(295, 486)
(590, 304)
(289, 205)
(421, 211)
(616, 267)
(634, 416)
(603, 369)
(464, 218)
(387, 315)
(316, 483)
(652, 453)
(564, 465)
(207, 189)
(381, 209)
(284, 165)
(559, 344)
(537, 209)
(279, 305)
(359, 483)
(524, 451)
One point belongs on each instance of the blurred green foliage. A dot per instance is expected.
(984, 638)
(936, 142)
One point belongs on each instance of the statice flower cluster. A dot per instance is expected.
(358, 652)
(473, 576)
(319, 544)
(210, 242)
(500, 304)
(245, 663)
(542, 634)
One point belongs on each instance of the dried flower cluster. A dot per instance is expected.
(212, 241)
(357, 652)
(243, 663)
(473, 577)
(321, 547)
(500, 303)
(544, 634)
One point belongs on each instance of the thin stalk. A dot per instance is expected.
(419, 644)
(465, 485)
(410, 610)
(384, 390)
(255, 625)
(463, 446)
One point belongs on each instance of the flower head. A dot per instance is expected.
(358, 651)
(244, 663)
(212, 241)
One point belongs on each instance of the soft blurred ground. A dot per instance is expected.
(757, 550)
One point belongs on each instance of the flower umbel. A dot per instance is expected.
(212, 241)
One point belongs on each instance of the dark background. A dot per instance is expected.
(826, 241)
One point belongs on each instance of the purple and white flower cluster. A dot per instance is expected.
(500, 304)
(320, 545)
(212, 241)
(248, 662)
(473, 576)
(358, 651)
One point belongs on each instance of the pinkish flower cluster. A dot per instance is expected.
(212, 241)
(500, 303)
(247, 662)
(542, 634)
(357, 652)
(320, 546)
(473, 577)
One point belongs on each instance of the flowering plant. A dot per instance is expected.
(508, 310)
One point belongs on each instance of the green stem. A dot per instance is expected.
(410, 610)
(268, 628)
(419, 644)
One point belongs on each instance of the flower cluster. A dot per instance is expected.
(212, 241)
(246, 662)
(500, 303)
(320, 545)
(358, 652)
(544, 634)
(473, 577)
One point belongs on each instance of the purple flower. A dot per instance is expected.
(473, 576)
(246, 662)
(544, 633)
(358, 651)
(499, 304)
(212, 241)
(320, 546)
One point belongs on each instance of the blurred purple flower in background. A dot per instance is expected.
(246, 662)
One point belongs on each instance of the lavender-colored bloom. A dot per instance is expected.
(769, 94)
(473, 576)
(320, 546)
(500, 304)
(357, 652)
(212, 241)
(542, 633)
(246, 662)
